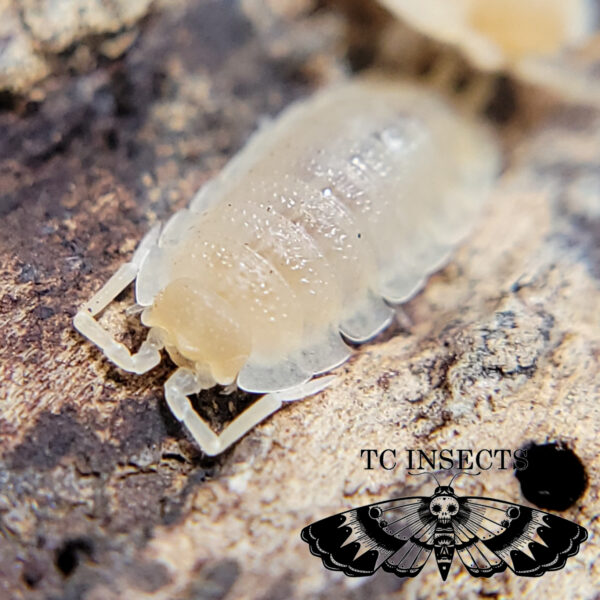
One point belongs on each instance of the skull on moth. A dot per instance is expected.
(443, 508)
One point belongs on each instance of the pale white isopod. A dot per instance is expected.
(343, 204)
(552, 43)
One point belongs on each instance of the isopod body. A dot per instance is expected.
(541, 41)
(346, 201)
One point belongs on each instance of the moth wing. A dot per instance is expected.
(396, 534)
(477, 558)
(493, 534)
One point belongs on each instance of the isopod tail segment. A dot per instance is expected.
(183, 382)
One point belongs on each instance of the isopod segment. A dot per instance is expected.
(340, 207)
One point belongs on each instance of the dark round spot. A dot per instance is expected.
(44, 312)
(111, 138)
(360, 58)
(503, 103)
(375, 512)
(383, 524)
(554, 478)
(31, 108)
(33, 573)
(452, 509)
(512, 512)
(505, 523)
(8, 101)
(436, 508)
(69, 555)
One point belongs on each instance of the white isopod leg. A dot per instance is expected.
(445, 73)
(148, 356)
(442, 72)
(183, 383)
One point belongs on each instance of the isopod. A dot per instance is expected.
(343, 204)
(545, 42)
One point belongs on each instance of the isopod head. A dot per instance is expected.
(199, 328)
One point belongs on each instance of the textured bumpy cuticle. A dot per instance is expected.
(348, 200)
(354, 195)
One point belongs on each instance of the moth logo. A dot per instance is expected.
(487, 534)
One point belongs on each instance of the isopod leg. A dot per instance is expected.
(299, 392)
(478, 94)
(177, 389)
(445, 73)
(266, 406)
(183, 383)
(124, 276)
(148, 356)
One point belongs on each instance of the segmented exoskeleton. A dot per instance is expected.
(342, 205)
